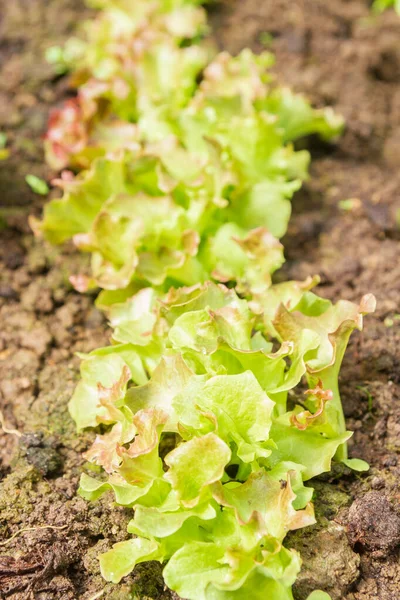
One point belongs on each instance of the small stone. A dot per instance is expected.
(377, 483)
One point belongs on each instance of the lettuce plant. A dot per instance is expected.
(134, 59)
(177, 192)
(218, 398)
(213, 443)
(139, 63)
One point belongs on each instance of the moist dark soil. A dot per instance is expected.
(338, 55)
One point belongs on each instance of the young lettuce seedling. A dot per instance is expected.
(205, 373)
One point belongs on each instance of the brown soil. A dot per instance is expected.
(338, 55)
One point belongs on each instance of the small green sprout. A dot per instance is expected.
(370, 399)
(350, 204)
(37, 185)
(265, 38)
(356, 464)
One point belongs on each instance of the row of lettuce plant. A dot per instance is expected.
(186, 170)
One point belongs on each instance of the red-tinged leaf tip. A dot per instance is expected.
(367, 304)
(35, 224)
(81, 283)
(305, 418)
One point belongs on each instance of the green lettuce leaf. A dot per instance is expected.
(266, 499)
(124, 556)
(210, 455)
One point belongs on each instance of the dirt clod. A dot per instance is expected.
(373, 523)
(328, 561)
(41, 452)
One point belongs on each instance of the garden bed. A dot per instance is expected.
(339, 56)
